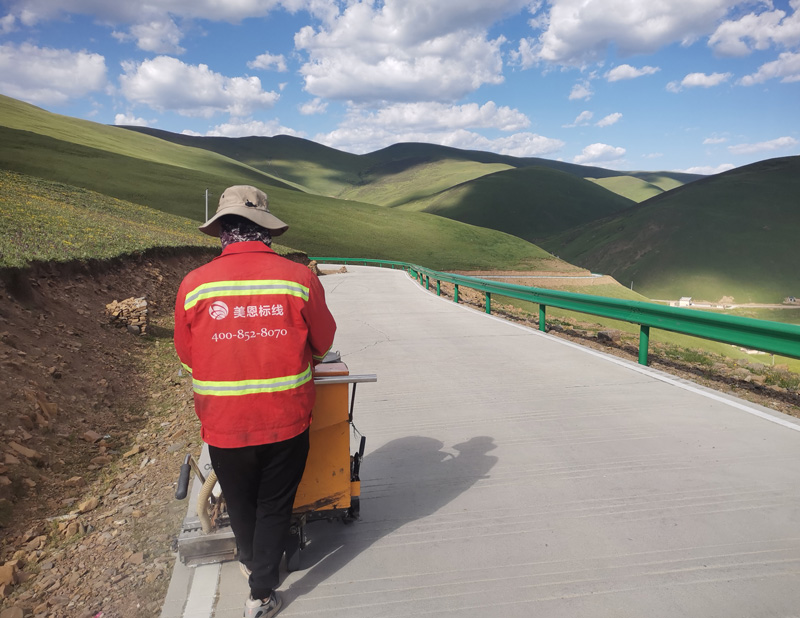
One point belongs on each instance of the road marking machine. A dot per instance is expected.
(330, 488)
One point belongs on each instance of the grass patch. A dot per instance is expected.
(44, 221)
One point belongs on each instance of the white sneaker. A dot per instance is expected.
(257, 608)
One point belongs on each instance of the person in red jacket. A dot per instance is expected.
(249, 327)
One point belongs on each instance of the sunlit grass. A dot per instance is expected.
(43, 221)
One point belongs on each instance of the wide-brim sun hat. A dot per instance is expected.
(247, 202)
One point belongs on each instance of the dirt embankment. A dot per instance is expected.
(94, 422)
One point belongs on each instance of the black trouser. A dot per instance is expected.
(259, 484)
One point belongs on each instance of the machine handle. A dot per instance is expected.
(183, 481)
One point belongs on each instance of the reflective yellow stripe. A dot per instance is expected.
(187, 368)
(244, 288)
(319, 358)
(251, 387)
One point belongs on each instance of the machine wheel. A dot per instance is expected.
(353, 512)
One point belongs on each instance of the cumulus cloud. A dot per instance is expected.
(757, 31)
(404, 50)
(600, 153)
(581, 120)
(579, 31)
(248, 128)
(439, 116)
(269, 62)
(581, 90)
(130, 120)
(363, 139)
(43, 75)
(158, 36)
(626, 71)
(780, 143)
(315, 106)
(150, 22)
(436, 123)
(165, 83)
(135, 12)
(607, 121)
(786, 67)
(707, 170)
(8, 24)
(699, 80)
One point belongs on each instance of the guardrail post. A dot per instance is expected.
(644, 342)
(455, 292)
(438, 287)
(542, 317)
(488, 302)
(427, 282)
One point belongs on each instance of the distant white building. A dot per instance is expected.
(685, 301)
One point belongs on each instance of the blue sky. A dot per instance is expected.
(690, 85)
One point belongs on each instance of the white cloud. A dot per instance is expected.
(757, 31)
(315, 106)
(369, 138)
(607, 121)
(600, 153)
(249, 128)
(714, 140)
(8, 24)
(707, 170)
(138, 12)
(432, 116)
(780, 143)
(151, 21)
(787, 67)
(130, 120)
(405, 50)
(158, 36)
(192, 90)
(43, 75)
(653, 155)
(268, 61)
(581, 31)
(699, 80)
(581, 90)
(437, 123)
(581, 120)
(626, 71)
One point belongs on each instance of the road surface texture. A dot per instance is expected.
(509, 473)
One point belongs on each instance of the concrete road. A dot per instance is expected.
(509, 473)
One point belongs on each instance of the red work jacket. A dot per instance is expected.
(249, 326)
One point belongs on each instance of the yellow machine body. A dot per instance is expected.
(326, 481)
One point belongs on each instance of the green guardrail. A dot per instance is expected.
(762, 335)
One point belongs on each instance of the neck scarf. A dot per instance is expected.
(239, 229)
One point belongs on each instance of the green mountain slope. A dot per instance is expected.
(529, 202)
(160, 174)
(391, 176)
(631, 187)
(733, 234)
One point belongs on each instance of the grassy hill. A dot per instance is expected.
(394, 175)
(631, 187)
(529, 202)
(170, 177)
(733, 234)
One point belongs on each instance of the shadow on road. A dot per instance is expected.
(402, 481)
